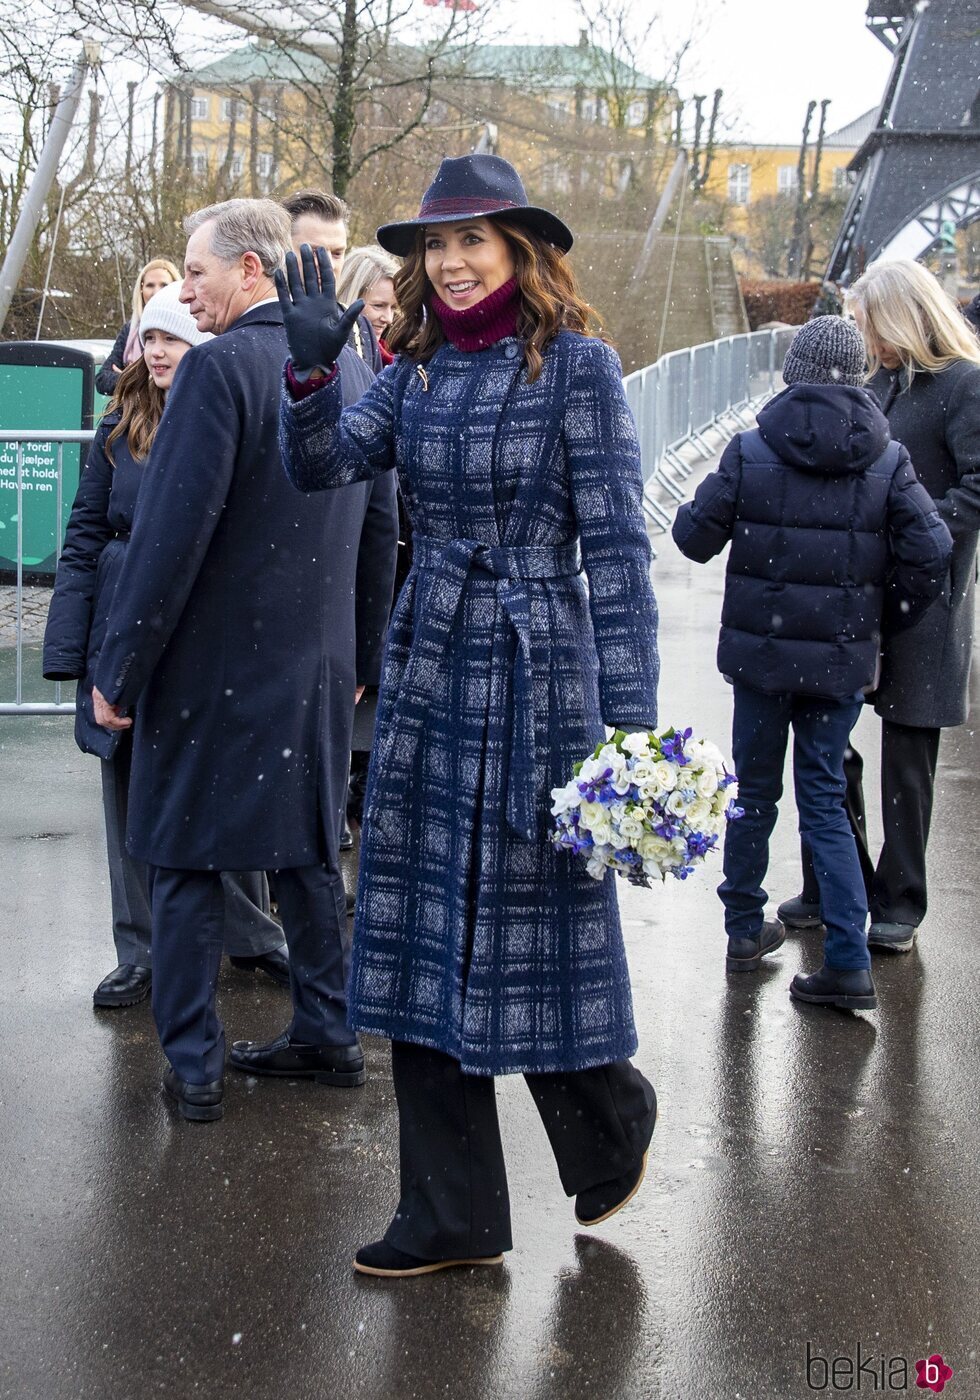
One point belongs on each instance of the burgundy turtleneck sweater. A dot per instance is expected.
(482, 325)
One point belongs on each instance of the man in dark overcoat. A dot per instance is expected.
(233, 630)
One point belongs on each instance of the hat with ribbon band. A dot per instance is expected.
(475, 186)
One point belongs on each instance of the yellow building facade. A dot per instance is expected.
(740, 175)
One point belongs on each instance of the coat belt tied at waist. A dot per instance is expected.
(444, 566)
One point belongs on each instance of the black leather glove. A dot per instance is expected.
(316, 328)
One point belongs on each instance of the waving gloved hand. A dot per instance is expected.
(316, 327)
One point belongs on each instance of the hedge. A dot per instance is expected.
(791, 302)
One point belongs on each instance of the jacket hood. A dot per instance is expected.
(828, 429)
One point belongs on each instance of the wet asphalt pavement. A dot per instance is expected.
(813, 1180)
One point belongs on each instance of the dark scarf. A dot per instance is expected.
(482, 325)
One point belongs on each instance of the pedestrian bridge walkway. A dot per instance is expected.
(812, 1183)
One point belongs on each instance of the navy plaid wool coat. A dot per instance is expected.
(473, 934)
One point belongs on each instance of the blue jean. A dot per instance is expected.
(821, 730)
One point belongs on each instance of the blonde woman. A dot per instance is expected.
(369, 276)
(924, 368)
(158, 272)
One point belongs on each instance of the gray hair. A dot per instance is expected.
(259, 226)
(362, 268)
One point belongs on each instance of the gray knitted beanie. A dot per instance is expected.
(827, 350)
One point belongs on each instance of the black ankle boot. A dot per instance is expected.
(745, 954)
(849, 988)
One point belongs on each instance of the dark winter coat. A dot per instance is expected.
(821, 510)
(473, 934)
(972, 313)
(107, 377)
(233, 621)
(925, 671)
(88, 572)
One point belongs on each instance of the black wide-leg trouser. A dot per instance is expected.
(454, 1201)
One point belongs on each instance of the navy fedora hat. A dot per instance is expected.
(474, 187)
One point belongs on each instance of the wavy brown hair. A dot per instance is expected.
(139, 403)
(550, 300)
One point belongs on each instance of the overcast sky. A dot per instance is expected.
(769, 56)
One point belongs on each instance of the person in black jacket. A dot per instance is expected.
(95, 548)
(127, 350)
(826, 521)
(925, 373)
(233, 631)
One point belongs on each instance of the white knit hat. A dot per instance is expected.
(166, 312)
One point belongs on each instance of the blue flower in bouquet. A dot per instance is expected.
(646, 805)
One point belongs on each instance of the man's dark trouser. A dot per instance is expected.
(821, 730)
(188, 928)
(249, 929)
(454, 1202)
(896, 888)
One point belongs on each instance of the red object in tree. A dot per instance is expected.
(454, 4)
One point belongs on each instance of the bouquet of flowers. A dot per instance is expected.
(646, 805)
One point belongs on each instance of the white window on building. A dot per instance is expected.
(229, 108)
(199, 162)
(595, 109)
(237, 165)
(787, 179)
(200, 109)
(739, 182)
(264, 164)
(636, 113)
(842, 178)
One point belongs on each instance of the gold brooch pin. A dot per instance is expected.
(424, 378)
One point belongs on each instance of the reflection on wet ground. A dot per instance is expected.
(812, 1186)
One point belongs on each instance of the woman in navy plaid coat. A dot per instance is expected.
(479, 949)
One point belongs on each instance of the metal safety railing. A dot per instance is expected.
(688, 393)
(21, 441)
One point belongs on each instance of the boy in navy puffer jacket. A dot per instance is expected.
(830, 531)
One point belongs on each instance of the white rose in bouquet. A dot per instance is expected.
(665, 776)
(638, 745)
(631, 826)
(707, 782)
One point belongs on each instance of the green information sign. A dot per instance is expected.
(52, 393)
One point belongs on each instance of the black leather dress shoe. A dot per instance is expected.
(851, 989)
(346, 839)
(745, 954)
(339, 1065)
(274, 965)
(125, 986)
(383, 1260)
(198, 1103)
